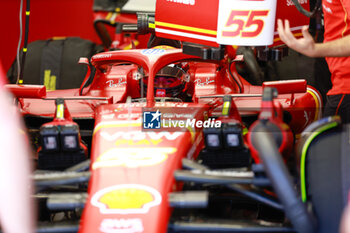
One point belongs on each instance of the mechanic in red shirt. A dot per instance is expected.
(336, 49)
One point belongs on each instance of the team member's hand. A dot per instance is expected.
(305, 45)
(345, 220)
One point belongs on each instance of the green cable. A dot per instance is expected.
(303, 156)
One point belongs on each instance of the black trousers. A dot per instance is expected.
(338, 105)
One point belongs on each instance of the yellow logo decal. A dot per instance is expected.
(143, 142)
(126, 199)
(133, 157)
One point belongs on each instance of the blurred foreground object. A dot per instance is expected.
(16, 212)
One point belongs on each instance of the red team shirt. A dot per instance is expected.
(337, 25)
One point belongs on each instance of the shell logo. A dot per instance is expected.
(126, 199)
(133, 157)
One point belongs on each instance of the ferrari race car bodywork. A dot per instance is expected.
(132, 168)
(120, 143)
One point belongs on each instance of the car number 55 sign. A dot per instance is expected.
(246, 22)
(228, 22)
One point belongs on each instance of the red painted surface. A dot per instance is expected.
(47, 19)
(26, 91)
(204, 15)
(142, 180)
(290, 86)
(117, 139)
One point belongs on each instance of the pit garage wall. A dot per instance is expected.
(48, 18)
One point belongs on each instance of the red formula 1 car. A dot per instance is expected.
(137, 149)
(170, 140)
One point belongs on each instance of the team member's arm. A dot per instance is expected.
(307, 46)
